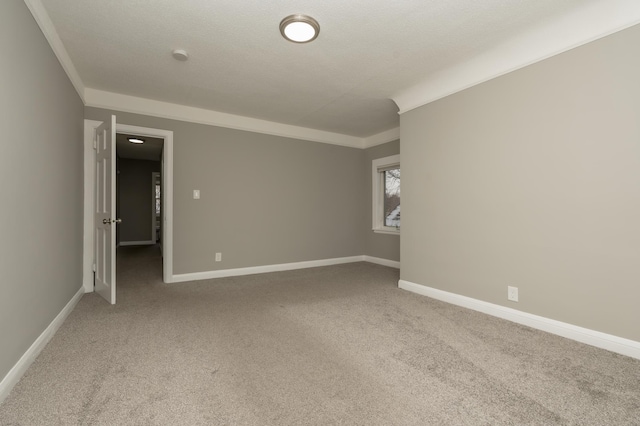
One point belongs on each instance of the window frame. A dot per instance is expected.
(378, 167)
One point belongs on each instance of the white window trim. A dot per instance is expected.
(377, 186)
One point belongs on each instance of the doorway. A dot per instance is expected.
(138, 189)
(166, 218)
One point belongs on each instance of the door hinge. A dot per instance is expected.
(95, 144)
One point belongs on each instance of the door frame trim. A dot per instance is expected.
(89, 197)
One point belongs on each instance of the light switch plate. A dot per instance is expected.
(196, 194)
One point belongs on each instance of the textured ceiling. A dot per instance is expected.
(343, 82)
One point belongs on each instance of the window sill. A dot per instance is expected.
(386, 231)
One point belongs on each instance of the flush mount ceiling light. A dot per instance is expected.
(299, 28)
(136, 140)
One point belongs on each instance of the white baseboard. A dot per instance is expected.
(262, 269)
(137, 243)
(609, 342)
(383, 262)
(206, 275)
(15, 374)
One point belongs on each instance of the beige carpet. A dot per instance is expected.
(322, 346)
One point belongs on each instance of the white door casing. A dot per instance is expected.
(105, 211)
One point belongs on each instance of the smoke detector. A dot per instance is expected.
(180, 54)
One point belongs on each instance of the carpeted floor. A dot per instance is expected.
(322, 346)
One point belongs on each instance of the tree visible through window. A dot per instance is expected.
(386, 194)
(392, 197)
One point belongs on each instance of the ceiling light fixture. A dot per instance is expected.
(136, 140)
(180, 54)
(299, 28)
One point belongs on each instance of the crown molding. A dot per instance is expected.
(592, 21)
(137, 105)
(46, 26)
(382, 137)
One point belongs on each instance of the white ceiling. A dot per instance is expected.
(368, 54)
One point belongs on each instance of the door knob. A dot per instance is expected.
(106, 221)
(117, 221)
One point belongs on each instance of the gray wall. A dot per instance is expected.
(135, 199)
(384, 246)
(533, 180)
(264, 199)
(41, 118)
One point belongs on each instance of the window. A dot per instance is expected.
(386, 194)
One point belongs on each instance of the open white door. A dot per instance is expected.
(105, 211)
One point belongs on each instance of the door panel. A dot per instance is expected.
(105, 211)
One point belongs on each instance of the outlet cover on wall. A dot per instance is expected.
(218, 257)
(512, 293)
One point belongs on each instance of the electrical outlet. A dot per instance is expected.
(512, 293)
(218, 257)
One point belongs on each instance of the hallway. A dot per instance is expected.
(137, 267)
